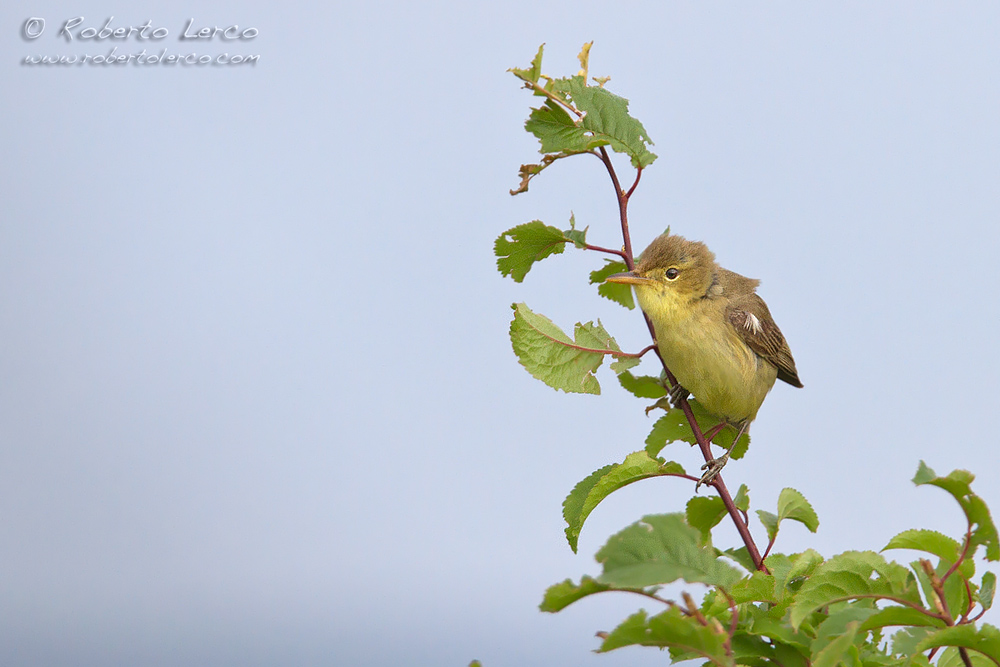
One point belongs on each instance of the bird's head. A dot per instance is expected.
(671, 272)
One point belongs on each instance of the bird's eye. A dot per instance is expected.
(671, 273)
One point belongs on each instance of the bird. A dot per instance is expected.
(713, 332)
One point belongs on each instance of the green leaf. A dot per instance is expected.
(670, 629)
(617, 292)
(957, 483)
(841, 649)
(644, 386)
(577, 236)
(599, 485)
(561, 595)
(793, 505)
(752, 651)
(988, 590)
(852, 575)
(742, 499)
(704, 513)
(950, 657)
(520, 247)
(607, 120)
(741, 556)
(671, 427)
(660, 549)
(904, 616)
(757, 587)
(770, 522)
(804, 564)
(532, 73)
(985, 640)
(905, 641)
(550, 356)
(930, 541)
(559, 132)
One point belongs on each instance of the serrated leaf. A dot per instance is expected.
(929, 541)
(558, 132)
(987, 590)
(617, 292)
(533, 72)
(985, 640)
(742, 499)
(561, 595)
(670, 629)
(793, 505)
(852, 575)
(671, 427)
(599, 485)
(643, 386)
(550, 356)
(660, 549)
(704, 513)
(607, 120)
(957, 483)
(520, 247)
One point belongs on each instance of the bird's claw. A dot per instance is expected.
(712, 469)
(677, 394)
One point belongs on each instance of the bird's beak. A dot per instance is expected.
(629, 278)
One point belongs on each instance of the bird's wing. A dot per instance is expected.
(753, 322)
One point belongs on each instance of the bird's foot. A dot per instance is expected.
(712, 469)
(677, 394)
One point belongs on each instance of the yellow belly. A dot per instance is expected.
(709, 359)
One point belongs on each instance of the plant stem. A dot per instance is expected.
(622, 207)
(703, 444)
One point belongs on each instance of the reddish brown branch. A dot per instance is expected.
(720, 486)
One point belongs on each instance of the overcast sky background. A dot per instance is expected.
(257, 401)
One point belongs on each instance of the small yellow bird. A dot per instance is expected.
(713, 332)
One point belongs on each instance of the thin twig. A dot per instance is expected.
(622, 207)
(607, 250)
(638, 175)
(961, 557)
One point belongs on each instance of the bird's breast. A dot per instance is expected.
(709, 359)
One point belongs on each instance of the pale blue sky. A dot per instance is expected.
(257, 401)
